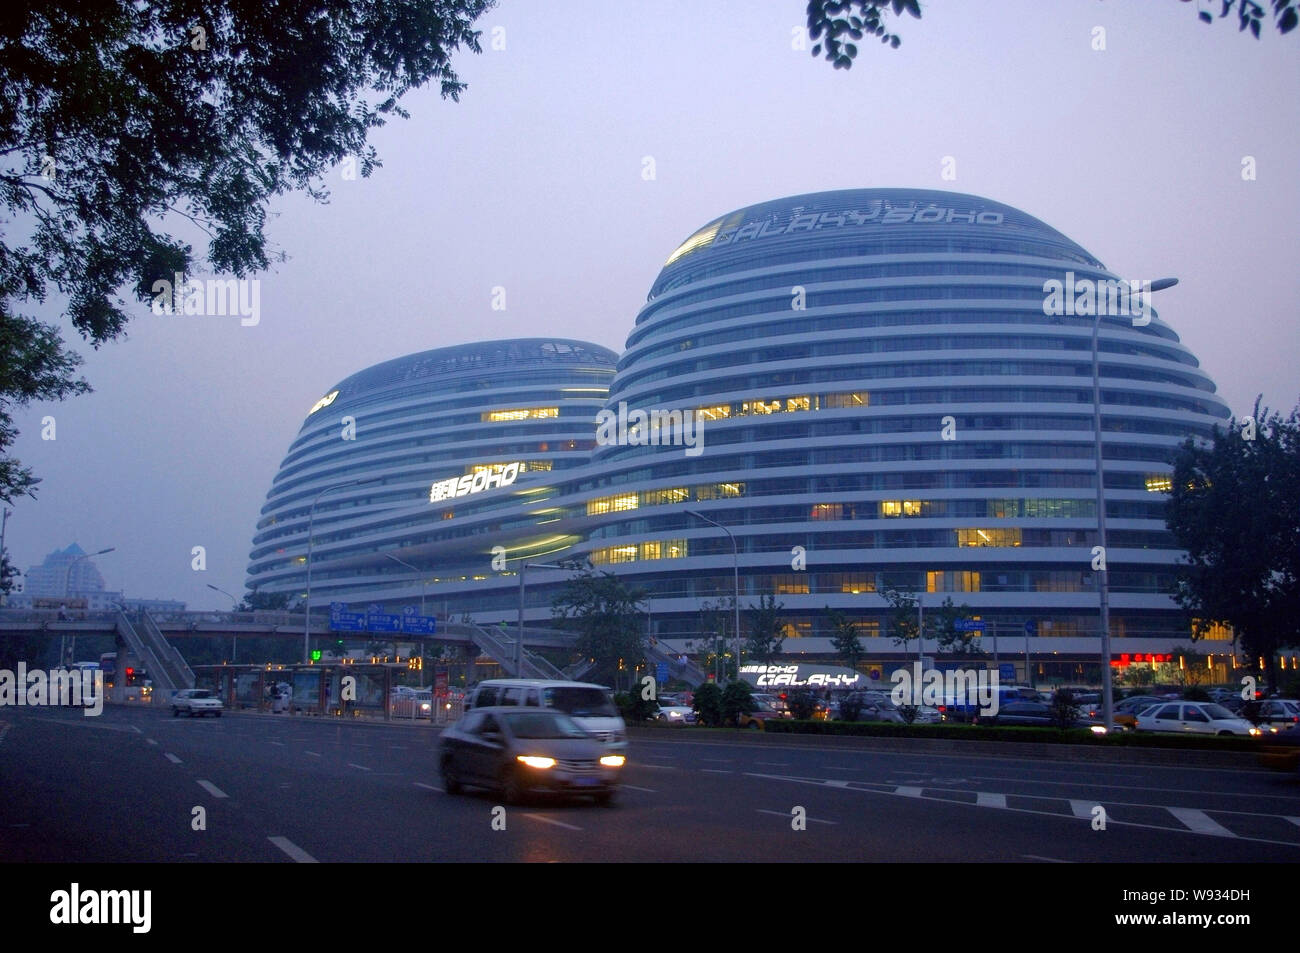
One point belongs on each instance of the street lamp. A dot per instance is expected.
(67, 581)
(735, 564)
(1103, 588)
(311, 519)
(424, 583)
(233, 636)
(519, 645)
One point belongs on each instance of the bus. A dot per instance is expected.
(108, 665)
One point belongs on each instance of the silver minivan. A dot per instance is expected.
(591, 706)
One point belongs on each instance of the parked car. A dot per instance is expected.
(1278, 714)
(196, 702)
(671, 713)
(521, 751)
(1020, 713)
(1206, 718)
(765, 707)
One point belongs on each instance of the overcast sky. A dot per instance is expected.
(537, 182)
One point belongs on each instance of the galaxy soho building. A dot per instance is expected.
(868, 389)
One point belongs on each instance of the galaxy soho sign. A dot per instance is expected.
(473, 483)
(877, 213)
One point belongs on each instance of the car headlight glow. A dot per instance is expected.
(534, 761)
(613, 760)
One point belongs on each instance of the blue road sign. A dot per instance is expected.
(383, 622)
(1031, 628)
(348, 622)
(418, 624)
(968, 625)
(661, 672)
(338, 607)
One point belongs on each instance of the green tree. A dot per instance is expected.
(765, 629)
(845, 22)
(903, 625)
(1064, 709)
(261, 601)
(122, 121)
(1234, 507)
(708, 704)
(7, 573)
(737, 700)
(951, 640)
(607, 615)
(844, 638)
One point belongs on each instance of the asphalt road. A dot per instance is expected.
(129, 786)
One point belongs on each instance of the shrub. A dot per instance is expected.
(737, 699)
(1065, 710)
(803, 704)
(708, 704)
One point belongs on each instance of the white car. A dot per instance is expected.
(674, 714)
(196, 701)
(1206, 718)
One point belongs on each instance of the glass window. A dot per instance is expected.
(486, 697)
(1192, 713)
(1168, 713)
(513, 696)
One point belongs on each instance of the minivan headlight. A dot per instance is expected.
(613, 760)
(534, 761)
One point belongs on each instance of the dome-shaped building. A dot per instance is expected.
(387, 457)
(868, 389)
(884, 400)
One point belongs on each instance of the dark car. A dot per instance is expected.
(1020, 713)
(1282, 750)
(519, 752)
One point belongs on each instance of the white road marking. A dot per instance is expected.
(296, 853)
(832, 767)
(151, 741)
(714, 771)
(1082, 808)
(988, 799)
(428, 787)
(1294, 820)
(633, 787)
(550, 820)
(658, 767)
(913, 792)
(314, 754)
(835, 783)
(1047, 860)
(774, 764)
(212, 789)
(719, 760)
(172, 758)
(280, 743)
(1199, 821)
(815, 820)
(359, 767)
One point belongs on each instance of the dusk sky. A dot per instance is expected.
(599, 138)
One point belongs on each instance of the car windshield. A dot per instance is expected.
(580, 702)
(542, 724)
(1217, 711)
(200, 693)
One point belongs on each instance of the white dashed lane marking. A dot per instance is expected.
(787, 816)
(296, 853)
(1199, 821)
(550, 820)
(212, 789)
(172, 758)
(988, 799)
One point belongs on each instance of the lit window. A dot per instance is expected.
(1159, 482)
(797, 403)
(988, 537)
(676, 494)
(521, 413)
(827, 511)
(719, 491)
(612, 504)
(903, 507)
(790, 585)
(715, 412)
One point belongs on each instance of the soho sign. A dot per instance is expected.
(473, 483)
(879, 213)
